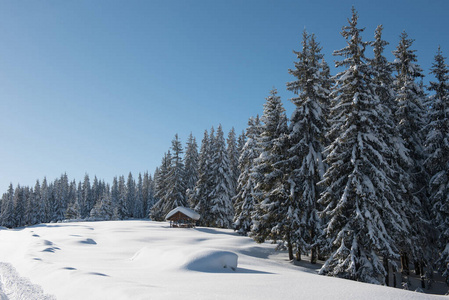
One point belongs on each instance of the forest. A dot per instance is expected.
(357, 177)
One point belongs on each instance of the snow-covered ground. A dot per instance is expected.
(149, 260)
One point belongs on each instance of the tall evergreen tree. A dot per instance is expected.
(130, 195)
(191, 164)
(121, 208)
(221, 209)
(87, 201)
(360, 205)
(139, 200)
(161, 186)
(409, 117)
(175, 192)
(200, 197)
(233, 157)
(307, 130)
(7, 209)
(270, 172)
(244, 200)
(437, 153)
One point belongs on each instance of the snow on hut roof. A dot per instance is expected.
(184, 210)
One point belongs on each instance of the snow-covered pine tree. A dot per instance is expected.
(87, 202)
(409, 117)
(233, 157)
(40, 205)
(270, 172)
(161, 186)
(244, 200)
(437, 153)
(200, 197)
(19, 206)
(7, 214)
(121, 209)
(360, 205)
(115, 195)
(139, 200)
(306, 136)
(221, 210)
(175, 191)
(191, 164)
(130, 195)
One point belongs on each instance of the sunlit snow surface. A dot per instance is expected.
(149, 260)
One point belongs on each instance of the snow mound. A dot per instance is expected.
(212, 261)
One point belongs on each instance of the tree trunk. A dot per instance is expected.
(405, 263)
(313, 257)
(290, 250)
(387, 271)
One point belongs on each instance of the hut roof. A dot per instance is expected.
(184, 210)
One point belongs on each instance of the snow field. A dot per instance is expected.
(149, 260)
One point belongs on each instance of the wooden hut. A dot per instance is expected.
(182, 217)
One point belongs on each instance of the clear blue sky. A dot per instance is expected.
(103, 86)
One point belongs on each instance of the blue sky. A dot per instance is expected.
(103, 86)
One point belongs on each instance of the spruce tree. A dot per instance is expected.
(307, 130)
(199, 199)
(191, 164)
(7, 210)
(130, 195)
(270, 172)
(409, 117)
(233, 158)
(437, 153)
(221, 210)
(161, 187)
(244, 200)
(175, 190)
(360, 205)
(139, 200)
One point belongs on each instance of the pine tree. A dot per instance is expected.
(121, 208)
(161, 186)
(19, 206)
(437, 152)
(233, 158)
(221, 209)
(87, 201)
(115, 196)
(40, 205)
(360, 206)
(139, 201)
(244, 200)
(200, 197)
(307, 134)
(7, 209)
(191, 164)
(409, 117)
(175, 194)
(130, 196)
(270, 171)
